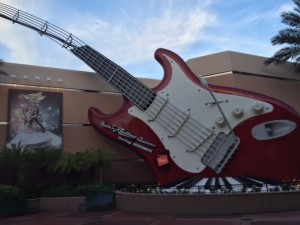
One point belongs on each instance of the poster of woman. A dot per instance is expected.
(35, 119)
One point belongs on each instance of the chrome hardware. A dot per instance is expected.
(273, 129)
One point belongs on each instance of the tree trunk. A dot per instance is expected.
(101, 175)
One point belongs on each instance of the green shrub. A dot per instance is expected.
(93, 189)
(81, 190)
(10, 194)
(59, 191)
(12, 201)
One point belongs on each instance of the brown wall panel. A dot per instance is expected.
(255, 65)
(229, 61)
(224, 80)
(2, 135)
(3, 103)
(80, 138)
(284, 90)
(71, 79)
(128, 172)
(211, 64)
(76, 104)
(122, 152)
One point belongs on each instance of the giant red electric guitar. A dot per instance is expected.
(183, 128)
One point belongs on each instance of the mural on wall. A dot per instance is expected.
(35, 119)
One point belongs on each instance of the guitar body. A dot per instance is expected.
(268, 144)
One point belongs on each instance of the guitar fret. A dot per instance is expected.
(112, 75)
(104, 69)
(105, 72)
(140, 96)
(145, 98)
(121, 82)
(117, 83)
(120, 78)
(125, 87)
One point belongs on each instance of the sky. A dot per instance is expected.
(129, 31)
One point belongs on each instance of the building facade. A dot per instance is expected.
(80, 90)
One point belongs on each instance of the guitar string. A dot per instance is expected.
(107, 67)
(163, 122)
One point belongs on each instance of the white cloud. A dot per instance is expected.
(132, 33)
(22, 48)
(174, 29)
(248, 29)
(128, 40)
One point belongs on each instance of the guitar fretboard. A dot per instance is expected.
(120, 79)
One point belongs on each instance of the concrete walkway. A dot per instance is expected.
(117, 217)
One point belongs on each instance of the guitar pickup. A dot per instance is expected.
(220, 151)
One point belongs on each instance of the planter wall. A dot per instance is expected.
(98, 202)
(208, 204)
(60, 203)
(76, 203)
(13, 208)
(189, 204)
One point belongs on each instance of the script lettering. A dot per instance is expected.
(129, 138)
(124, 133)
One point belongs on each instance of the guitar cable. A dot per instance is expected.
(206, 85)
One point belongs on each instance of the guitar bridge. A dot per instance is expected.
(220, 151)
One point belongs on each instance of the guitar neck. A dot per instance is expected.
(126, 84)
(116, 76)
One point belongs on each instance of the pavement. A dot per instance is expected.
(117, 217)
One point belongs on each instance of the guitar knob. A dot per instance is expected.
(220, 121)
(257, 107)
(237, 112)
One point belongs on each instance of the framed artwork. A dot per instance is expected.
(35, 119)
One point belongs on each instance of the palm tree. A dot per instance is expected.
(289, 36)
(99, 159)
(42, 161)
(94, 160)
(1, 71)
(14, 161)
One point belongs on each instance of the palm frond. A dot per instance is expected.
(289, 36)
(297, 3)
(291, 19)
(1, 71)
(287, 53)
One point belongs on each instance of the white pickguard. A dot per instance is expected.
(185, 120)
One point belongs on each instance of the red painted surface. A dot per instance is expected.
(273, 159)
